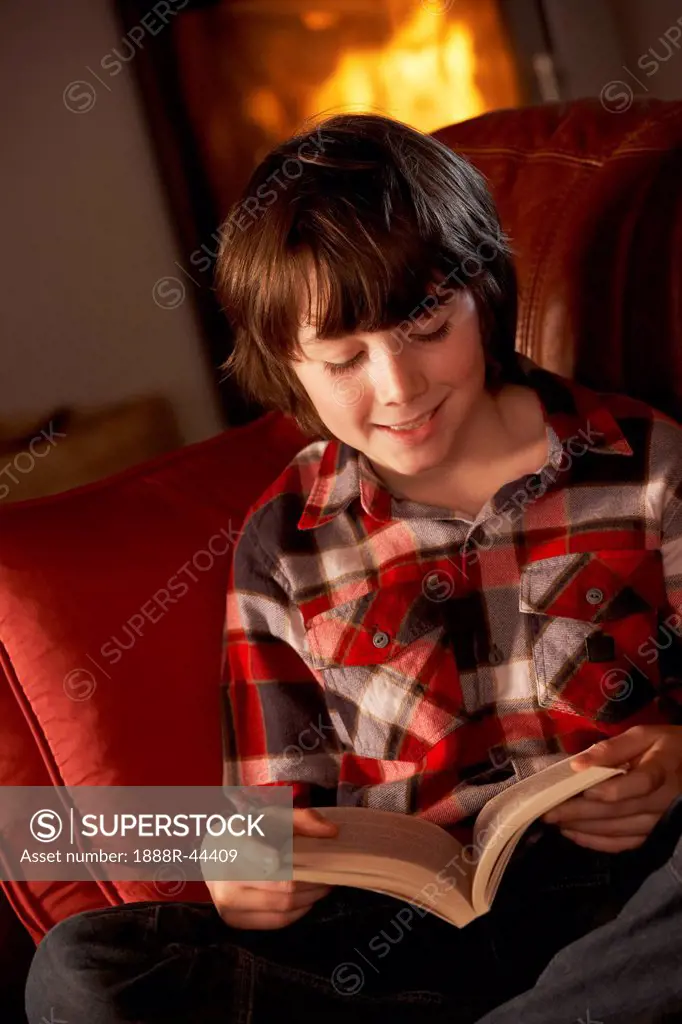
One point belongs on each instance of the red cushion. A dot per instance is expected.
(112, 602)
(37, 904)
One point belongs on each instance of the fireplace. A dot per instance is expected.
(252, 72)
(223, 81)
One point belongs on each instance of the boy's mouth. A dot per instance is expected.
(412, 424)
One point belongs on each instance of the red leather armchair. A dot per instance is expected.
(592, 201)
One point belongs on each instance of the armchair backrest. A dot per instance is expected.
(592, 200)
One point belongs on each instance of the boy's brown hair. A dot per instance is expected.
(378, 211)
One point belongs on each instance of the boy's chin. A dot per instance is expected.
(409, 459)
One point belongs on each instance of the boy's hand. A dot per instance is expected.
(266, 905)
(619, 814)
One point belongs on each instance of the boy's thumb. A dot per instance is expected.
(309, 822)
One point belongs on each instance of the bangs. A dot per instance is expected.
(375, 290)
(338, 274)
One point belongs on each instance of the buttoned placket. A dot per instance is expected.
(485, 649)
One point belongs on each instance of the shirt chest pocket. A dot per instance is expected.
(589, 617)
(375, 627)
(379, 654)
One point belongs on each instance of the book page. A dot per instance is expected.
(402, 837)
(415, 885)
(397, 854)
(504, 819)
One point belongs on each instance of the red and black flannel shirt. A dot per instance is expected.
(388, 653)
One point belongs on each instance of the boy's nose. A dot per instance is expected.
(397, 379)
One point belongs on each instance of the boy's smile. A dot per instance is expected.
(416, 430)
(413, 401)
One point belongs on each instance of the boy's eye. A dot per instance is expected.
(343, 367)
(435, 335)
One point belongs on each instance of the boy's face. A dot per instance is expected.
(433, 366)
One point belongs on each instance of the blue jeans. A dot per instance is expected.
(573, 936)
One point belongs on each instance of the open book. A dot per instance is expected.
(417, 861)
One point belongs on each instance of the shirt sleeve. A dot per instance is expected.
(276, 725)
(669, 641)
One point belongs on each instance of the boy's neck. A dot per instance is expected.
(505, 439)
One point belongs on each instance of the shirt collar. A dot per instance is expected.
(577, 418)
(575, 412)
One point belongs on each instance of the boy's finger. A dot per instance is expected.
(290, 886)
(266, 920)
(633, 825)
(309, 821)
(617, 750)
(582, 808)
(604, 844)
(641, 781)
(259, 900)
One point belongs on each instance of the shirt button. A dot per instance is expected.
(380, 639)
(420, 688)
(594, 595)
(495, 656)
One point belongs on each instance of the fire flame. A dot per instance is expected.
(442, 62)
(425, 76)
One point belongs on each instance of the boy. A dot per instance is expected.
(475, 569)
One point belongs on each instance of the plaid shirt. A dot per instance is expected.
(398, 655)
